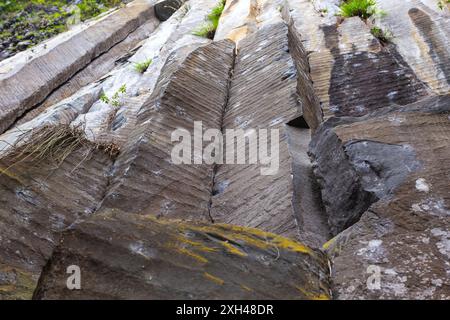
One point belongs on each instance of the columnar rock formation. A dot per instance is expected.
(87, 176)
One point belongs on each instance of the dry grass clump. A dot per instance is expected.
(54, 144)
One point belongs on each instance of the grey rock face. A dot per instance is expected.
(421, 36)
(26, 84)
(262, 95)
(37, 203)
(342, 192)
(87, 175)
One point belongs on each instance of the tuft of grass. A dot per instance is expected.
(215, 14)
(441, 3)
(141, 67)
(358, 8)
(208, 29)
(115, 100)
(384, 36)
(54, 144)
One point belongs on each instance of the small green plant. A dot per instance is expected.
(89, 9)
(92, 8)
(358, 8)
(384, 36)
(141, 67)
(115, 99)
(323, 11)
(208, 29)
(441, 3)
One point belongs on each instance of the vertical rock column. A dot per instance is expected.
(263, 95)
(191, 88)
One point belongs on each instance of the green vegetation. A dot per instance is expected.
(89, 9)
(114, 101)
(441, 3)
(384, 36)
(92, 8)
(323, 11)
(25, 23)
(209, 28)
(141, 67)
(358, 8)
(206, 30)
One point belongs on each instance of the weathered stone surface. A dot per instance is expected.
(378, 180)
(241, 18)
(38, 199)
(95, 70)
(215, 261)
(397, 158)
(263, 94)
(306, 199)
(422, 37)
(101, 121)
(192, 86)
(353, 73)
(165, 8)
(62, 113)
(25, 84)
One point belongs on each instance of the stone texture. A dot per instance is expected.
(241, 18)
(399, 162)
(263, 94)
(377, 179)
(26, 84)
(306, 199)
(192, 86)
(345, 57)
(38, 199)
(421, 35)
(166, 259)
(95, 70)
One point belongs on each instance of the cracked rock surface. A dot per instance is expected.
(357, 207)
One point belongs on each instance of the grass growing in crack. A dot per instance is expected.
(358, 8)
(384, 36)
(441, 3)
(53, 144)
(141, 67)
(208, 29)
(115, 100)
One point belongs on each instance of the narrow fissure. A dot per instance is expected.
(224, 109)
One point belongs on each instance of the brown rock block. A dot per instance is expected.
(422, 38)
(38, 199)
(268, 90)
(129, 256)
(392, 168)
(191, 88)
